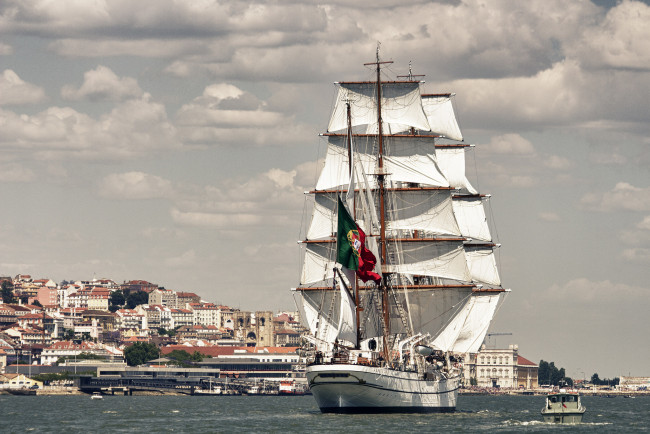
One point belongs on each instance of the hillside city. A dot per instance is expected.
(101, 317)
(49, 328)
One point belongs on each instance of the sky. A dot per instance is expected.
(172, 141)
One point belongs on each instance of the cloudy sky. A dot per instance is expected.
(172, 141)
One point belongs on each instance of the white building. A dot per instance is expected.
(503, 368)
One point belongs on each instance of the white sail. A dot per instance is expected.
(413, 164)
(401, 104)
(471, 218)
(320, 317)
(318, 262)
(476, 324)
(436, 259)
(323, 222)
(431, 309)
(446, 340)
(451, 161)
(482, 265)
(441, 116)
(427, 211)
(347, 329)
(422, 210)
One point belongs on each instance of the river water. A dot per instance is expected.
(253, 414)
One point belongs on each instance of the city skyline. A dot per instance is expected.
(172, 142)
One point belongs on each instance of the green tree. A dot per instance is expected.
(137, 298)
(548, 373)
(116, 300)
(140, 353)
(8, 292)
(595, 379)
(185, 359)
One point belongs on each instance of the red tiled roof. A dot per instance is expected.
(69, 345)
(216, 351)
(523, 361)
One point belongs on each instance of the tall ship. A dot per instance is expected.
(399, 280)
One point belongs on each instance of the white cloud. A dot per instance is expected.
(225, 114)
(225, 221)
(6, 49)
(267, 199)
(134, 185)
(608, 158)
(510, 144)
(187, 258)
(15, 173)
(623, 196)
(549, 217)
(639, 255)
(619, 41)
(556, 162)
(644, 224)
(102, 84)
(639, 235)
(16, 91)
(583, 291)
(134, 128)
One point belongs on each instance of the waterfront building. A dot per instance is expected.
(17, 381)
(503, 368)
(271, 363)
(3, 360)
(70, 350)
(634, 383)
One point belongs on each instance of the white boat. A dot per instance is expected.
(96, 395)
(393, 192)
(563, 406)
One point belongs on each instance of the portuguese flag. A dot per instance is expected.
(351, 251)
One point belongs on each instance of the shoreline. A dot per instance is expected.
(72, 391)
(544, 392)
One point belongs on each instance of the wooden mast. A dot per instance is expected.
(382, 208)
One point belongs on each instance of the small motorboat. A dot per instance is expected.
(563, 406)
(96, 395)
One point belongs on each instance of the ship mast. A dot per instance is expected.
(354, 215)
(382, 206)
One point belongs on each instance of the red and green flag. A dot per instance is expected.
(351, 251)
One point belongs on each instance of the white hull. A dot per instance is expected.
(348, 388)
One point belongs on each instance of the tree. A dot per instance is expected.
(136, 298)
(185, 359)
(8, 292)
(37, 303)
(116, 300)
(595, 379)
(140, 353)
(548, 373)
